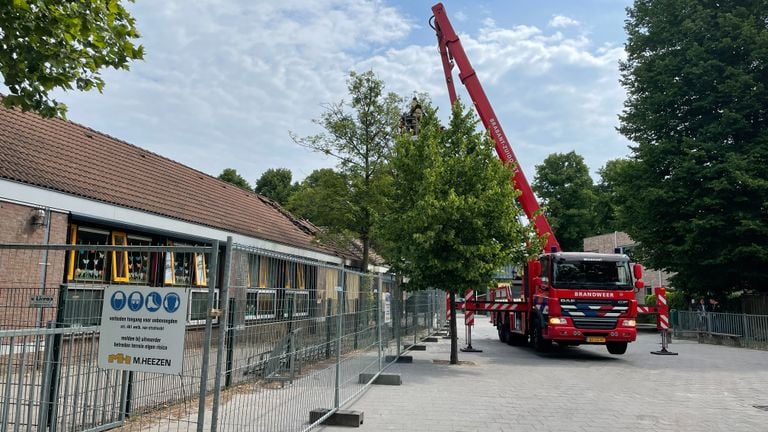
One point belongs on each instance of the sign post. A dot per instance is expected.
(142, 329)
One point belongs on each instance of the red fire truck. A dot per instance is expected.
(570, 298)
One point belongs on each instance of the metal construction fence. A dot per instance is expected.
(267, 337)
(744, 330)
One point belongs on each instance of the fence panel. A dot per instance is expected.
(281, 337)
(749, 331)
(50, 335)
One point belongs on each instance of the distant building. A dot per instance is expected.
(608, 243)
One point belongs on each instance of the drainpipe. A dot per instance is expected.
(44, 263)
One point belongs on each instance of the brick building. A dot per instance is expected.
(63, 183)
(608, 243)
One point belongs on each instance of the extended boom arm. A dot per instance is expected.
(451, 51)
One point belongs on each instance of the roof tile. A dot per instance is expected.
(67, 157)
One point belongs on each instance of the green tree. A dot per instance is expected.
(607, 197)
(323, 198)
(49, 44)
(696, 76)
(454, 220)
(359, 134)
(230, 175)
(275, 184)
(565, 188)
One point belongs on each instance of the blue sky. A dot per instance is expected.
(224, 81)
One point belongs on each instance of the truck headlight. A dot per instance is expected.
(629, 323)
(557, 321)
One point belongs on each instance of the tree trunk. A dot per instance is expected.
(366, 252)
(454, 337)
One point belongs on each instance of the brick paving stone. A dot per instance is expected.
(704, 388)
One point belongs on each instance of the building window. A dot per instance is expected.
(629, 251)
(82, 307)
(119, 258)
(260, 304)
(185, 268)
(87, 264)
(300, 303)
(198, 306)
(138, 262)
(201, 271)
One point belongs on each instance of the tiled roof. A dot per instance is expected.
(64, 156)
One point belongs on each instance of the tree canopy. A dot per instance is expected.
(49, 44)
(697, 182)
(453, 219)
(275, 184)
(230, 175)
(323, 198)
(563, 184)
(359, 134)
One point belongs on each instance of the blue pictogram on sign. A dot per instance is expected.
(153, 301)
(171, 302)
(135, 301)
(118, 300)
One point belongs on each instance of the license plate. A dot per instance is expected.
(596, 339)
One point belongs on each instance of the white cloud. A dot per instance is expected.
(552, 93)
(558, 21)
(224, 82)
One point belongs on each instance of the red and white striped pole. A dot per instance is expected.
(469, 315)
(662, 317)
(662, 320)
(448, 307)
(469, 319)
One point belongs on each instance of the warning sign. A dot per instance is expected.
(142, 329)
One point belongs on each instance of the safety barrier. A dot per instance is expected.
(277, 337)
(743, 330)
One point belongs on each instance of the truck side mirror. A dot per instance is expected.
(637, 271)
(639, 284)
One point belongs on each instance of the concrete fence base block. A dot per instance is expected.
(429, 339)
(400, 359)
(339, 418)
(382, 379)
(415, 347)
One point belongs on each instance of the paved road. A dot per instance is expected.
(704, 388)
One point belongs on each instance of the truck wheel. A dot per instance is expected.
(616, 347)
(504, 332)
(516, 339)
(539, 343)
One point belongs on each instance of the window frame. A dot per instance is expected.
(74, 255)
(296, 294)
(80, 287)
(194, 291)
(200, 269)
(115, 273)
(197, 272)
(169, 266)
(144, 241)
(259, 292)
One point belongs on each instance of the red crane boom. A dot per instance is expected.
(452, 53)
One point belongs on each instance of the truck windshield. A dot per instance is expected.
(609, 275)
